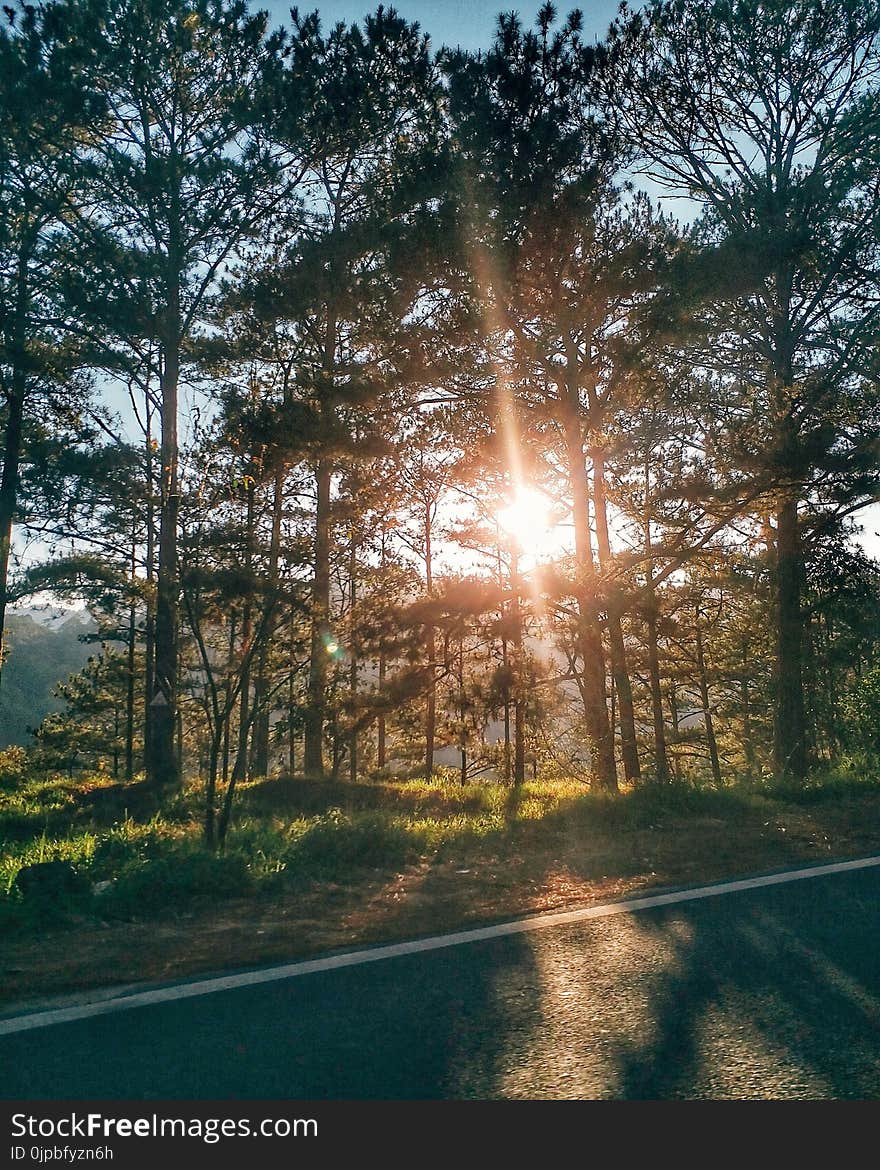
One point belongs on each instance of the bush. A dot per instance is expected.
(49, 880)
(851, 777)
(330, 844)
(129, 843)
(144, 886)
(14, 767)
(861, 712)
(74, 848)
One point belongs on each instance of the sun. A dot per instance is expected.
(524, 514)
(526, 519)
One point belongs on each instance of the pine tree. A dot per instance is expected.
(361, 103)
(766, 113)
(49, 111)
(181, 178)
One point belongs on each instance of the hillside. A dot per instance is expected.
(41, 654)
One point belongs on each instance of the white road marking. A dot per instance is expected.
(392, 951)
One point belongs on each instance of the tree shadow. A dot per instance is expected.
(766, 994)
(408, 1028)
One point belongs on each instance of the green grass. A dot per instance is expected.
(292, 834)
(285, 834)
(852, 778)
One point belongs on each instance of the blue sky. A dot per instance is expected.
(468, 23)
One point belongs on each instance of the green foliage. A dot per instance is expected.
(141, 887)
(861, 712)
(400, 282)
(850, 778)
(14, 768)
(90, 731)
(77, 848)
(336, 842)
(157, 865)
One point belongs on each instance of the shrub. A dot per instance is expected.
(144, 886)
(14, 767)
(332, 843)
(128, 843)
(861, 713)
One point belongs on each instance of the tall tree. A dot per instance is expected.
(182, 177)
(537, 161)
(425, 459)
(48, 111)
(767, 113)
(364, 102)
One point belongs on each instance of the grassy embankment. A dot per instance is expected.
(311, 867)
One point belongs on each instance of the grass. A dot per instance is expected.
(160, 862)
(374, 860)
(288, 834)
(285, 834)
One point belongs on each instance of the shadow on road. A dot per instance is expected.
(769, 994)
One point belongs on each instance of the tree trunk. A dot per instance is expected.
(162, 768)
(789, 733)
(675, 737)
(239, 768)
(381, 732)
(129, 677)
(353, 665)
(619, 668)
(589, 636)
(519, 742)
(519, 700)
(505, 663)
(661, 765)
(505, 673)
(661, 759)
(748, 740)
(228, 704)
(462, 735)
(9, 494)
(383, 669)
(14, 436)
(291, 699)
(336, 748)
(211, 790)
(150, 572)
(115, 741)
(431, 651)
(313, 760)
(708, 722)
(261, 682)
(813, 726)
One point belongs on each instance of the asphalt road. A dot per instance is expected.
(766, 993)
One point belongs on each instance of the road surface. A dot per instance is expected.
(769, 992)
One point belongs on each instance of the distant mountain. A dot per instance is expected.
(44, 648)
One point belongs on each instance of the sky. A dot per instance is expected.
(465, 23)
